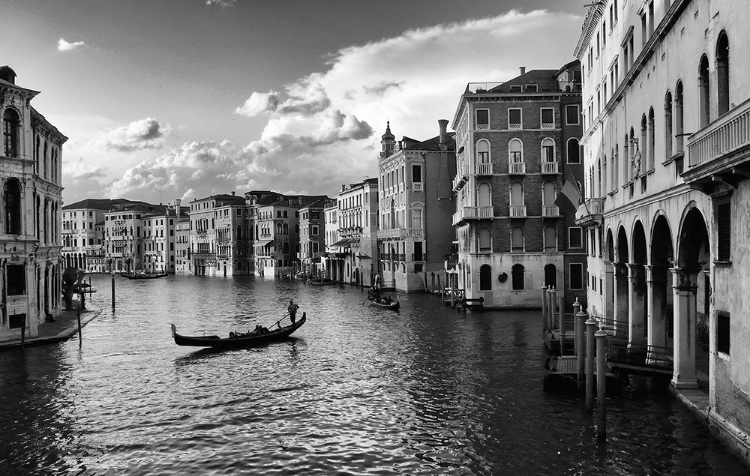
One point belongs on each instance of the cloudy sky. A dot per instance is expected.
(165, 99)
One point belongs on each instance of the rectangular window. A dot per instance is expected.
(548, 118)
(575, 237)
(416, 219)
(483, 119)
(514, 119)
(315, 230)
(724, 228)
(722, 332)
(416, 173)
(16, 279)
(532, 88)
(576, 276)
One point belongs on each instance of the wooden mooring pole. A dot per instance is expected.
(580, 328)
(590, 330)
(601, 384)
(113, 289)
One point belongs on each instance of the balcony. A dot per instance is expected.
(720, 152)
(590, 212)
(474, 88)
(462, 175)
(483, 169)
(517, 212)
(401, 233)
(517, 168)
(550, 168)
(550, 211)
(473, 213)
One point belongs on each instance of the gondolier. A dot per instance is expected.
(292, 310)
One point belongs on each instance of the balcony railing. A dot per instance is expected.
(483, 169)
(473, 88)
(461, 175)
(550, 168)
(550, 211)
(517, 168)
(518, 211)
(725, 135)
(401, 233)
(473, 213)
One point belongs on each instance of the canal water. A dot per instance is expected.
(357, 390)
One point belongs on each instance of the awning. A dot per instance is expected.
(263, 243)
(341, 243)
(363, 256)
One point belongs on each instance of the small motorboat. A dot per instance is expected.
(237, 340)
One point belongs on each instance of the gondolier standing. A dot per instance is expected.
(377, 285)
(292, 310)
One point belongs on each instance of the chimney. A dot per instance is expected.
(522, 69)
(233, 193)
(177, 202)
(443, 123)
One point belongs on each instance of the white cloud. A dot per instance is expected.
(221, 3)
(63, 45)
(142, 134)
(324, 129)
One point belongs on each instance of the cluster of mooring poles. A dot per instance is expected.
(589, 350)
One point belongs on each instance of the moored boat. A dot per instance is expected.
(144, 275)
(259, 336)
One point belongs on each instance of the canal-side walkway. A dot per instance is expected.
(63, 327)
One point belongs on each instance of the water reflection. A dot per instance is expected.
(357, 390)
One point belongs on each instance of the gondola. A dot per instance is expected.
(144, 275)
(382, 302)
(324, 282)
(239, 340)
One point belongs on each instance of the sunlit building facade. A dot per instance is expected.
(31, 266)
(666, 102)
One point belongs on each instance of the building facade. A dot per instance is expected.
(517, 145)
(312, 233)
(357, 224)
(204, 213)
(183, 262)
(83, 235)
(31, 265)
(415, 209)
(666, 148)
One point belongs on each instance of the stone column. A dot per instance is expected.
(684, 288)
(620, 301)
(657, 322)
(636, 305)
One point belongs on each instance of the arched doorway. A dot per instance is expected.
(637, 288)
(660, 286)
(619, 324)
(691, 287)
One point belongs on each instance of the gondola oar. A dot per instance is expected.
(284, 317)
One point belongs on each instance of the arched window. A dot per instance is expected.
(485, 240)
(286, 228)
(485, 277)
(605, 177)
(516, 194)
(668, 125)
(574, 152)
(516, 239)
(598, 178)
(626, 160)
(615, 153)
(548, 150)
(484, 195)
(483, 152)
(678, 118)
(548, 194)
(12, 200)
(515, 151)
(651, 147)
(286, 248)
(550, 275)
(239, 232)
(550, 238)
(643, 145)
(516, 273)
(722, 72)
(278, 228)
(704, 92)
(10, 132)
